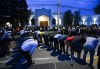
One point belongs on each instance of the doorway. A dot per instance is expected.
(43, 20)
(44, 23)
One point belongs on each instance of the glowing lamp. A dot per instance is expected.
(8, 24)
(95, 17)
(84, 18)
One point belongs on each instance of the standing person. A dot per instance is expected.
(27, 49)
(98, 54)
(90, 46)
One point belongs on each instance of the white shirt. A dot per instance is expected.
(37, 33)
(29, 45)
(57, 36)
(91, 42)
(22, 32)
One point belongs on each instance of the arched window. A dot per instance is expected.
(53, 21)
(33, 21)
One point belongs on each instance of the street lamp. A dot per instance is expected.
(58, 8)
(84, 19)
(95, 18)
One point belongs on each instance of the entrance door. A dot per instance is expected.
(43, 20)
(44, 23)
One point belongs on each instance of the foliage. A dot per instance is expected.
(4, 11)
(19, 12)
(97, 9)
(16, 10)
(67, 18)
(76, 18)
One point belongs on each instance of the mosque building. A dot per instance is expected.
(44, 13)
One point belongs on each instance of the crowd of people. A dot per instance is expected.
(74, 38)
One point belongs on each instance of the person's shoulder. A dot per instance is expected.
(31, 39)
(36, 40)
(70, 38)
(89, 37)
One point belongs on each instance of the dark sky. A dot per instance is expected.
(85, 6)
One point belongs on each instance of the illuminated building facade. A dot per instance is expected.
(45, 11)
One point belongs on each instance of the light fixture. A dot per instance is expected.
(8, 24)
(84, 19)
(95, 17)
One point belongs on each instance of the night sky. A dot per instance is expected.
(86, 6)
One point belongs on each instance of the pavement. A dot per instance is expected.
(46, 58)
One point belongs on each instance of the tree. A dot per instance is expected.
(19, 12)
(14, 11)
(97, 9)
(67, 18)
(4, 11)
(53, 21)
(76, 18)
